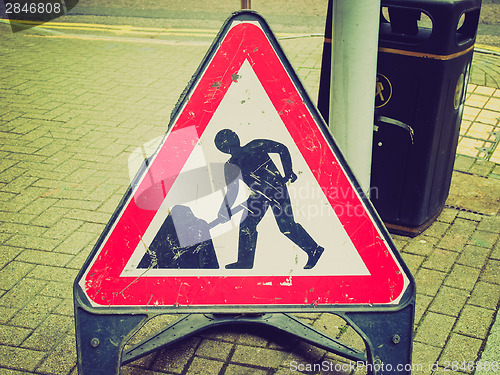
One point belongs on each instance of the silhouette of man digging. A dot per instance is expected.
(260, 174)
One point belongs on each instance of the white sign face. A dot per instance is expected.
(246, 202)
(247, 109)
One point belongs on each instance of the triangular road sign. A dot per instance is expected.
(246, 202)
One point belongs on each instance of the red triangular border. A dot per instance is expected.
(246, 41)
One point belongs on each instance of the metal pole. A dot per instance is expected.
(246, 4)
(355, 25)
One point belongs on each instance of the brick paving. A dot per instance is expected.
(73, 109)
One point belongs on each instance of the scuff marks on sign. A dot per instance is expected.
(266, 283)
(181, 294)
(287, 282)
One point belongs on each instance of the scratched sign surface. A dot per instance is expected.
(247, 200)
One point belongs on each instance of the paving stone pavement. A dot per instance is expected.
(74, 104)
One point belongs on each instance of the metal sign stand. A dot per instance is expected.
(387, 333)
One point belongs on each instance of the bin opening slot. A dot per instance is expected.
(409, 25)
(467, 26)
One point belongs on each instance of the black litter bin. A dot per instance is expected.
(424, 58)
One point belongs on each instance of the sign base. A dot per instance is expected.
(101, 338)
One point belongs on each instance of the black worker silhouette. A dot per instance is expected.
(183, 241)
(269, 189)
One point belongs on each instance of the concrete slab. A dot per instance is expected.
(474, 193)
